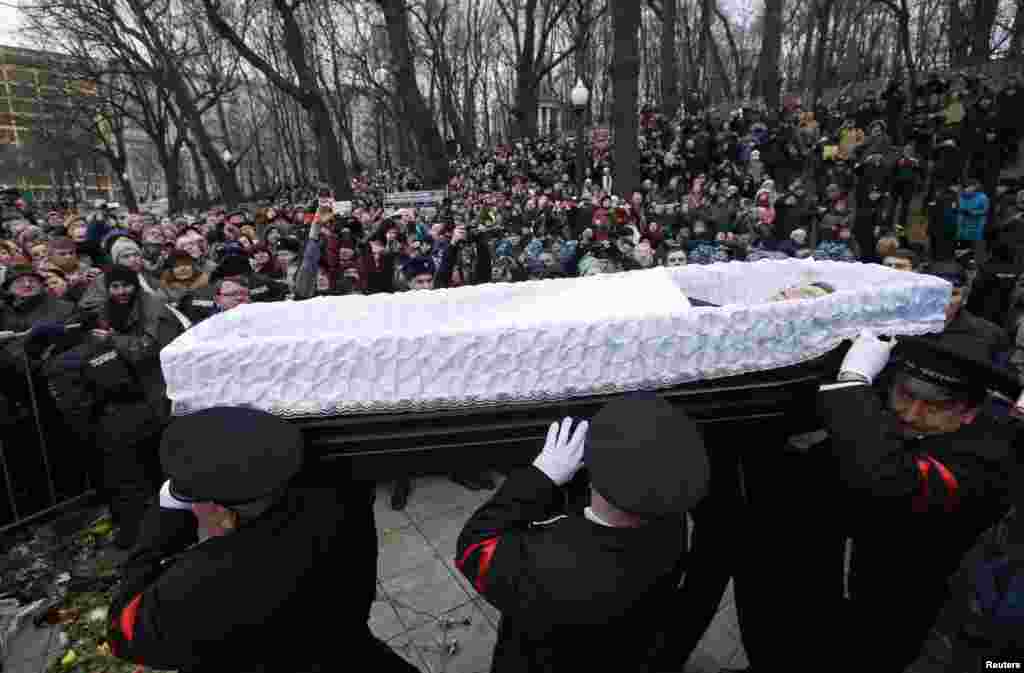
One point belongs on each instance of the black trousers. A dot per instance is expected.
(745, 530)
(131, 481)
(903, 193)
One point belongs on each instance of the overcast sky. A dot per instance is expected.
(9, 21)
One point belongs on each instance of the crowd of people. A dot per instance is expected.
(89, 299)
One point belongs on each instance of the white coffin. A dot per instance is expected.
(500, 344)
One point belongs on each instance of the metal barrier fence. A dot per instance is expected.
(37, 482)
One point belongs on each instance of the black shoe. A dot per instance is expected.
(400, 494)
(474, 482)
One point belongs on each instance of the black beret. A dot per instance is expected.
(121, 274)
(950, 272)
(955, 363)
(233, 265)
(646, 457)
(230, 455)
(418, 266)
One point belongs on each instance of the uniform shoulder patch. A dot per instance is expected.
(102, 359)
(548, 522)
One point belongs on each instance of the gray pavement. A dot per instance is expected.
(419, 589)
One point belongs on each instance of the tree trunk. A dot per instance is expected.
(824, 11)
(526, 102)
(626, 75)
(408, 99)
(957, 41)
(1017, 41)
(771, 47)
(981, 30)
(805, 68)
(670, 65)
(197, 167)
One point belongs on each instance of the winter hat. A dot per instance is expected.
(120, 273)
(123, 246)
(291, 244)
(418, 266)
(16, 272)
(233, 265)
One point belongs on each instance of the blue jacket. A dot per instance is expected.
(973, 212)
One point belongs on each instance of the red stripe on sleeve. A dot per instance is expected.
(920, 503)
(486, 549)
(128, 617)
(952, 485)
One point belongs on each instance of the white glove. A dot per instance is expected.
(867, 357)
(562, 456)
(168, 501)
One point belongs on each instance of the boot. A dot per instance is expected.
(400, 494)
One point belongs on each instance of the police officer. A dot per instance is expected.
(589, 590)
(112, 393)
(920, 470)
(960, 321)
(287, 578)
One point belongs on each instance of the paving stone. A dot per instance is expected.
(424, 593)
(474, 643)
(436, 496)
(401, 550)
(442, 532)
(384, 620)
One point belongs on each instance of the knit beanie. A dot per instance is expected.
(123, 246)
(122, 274)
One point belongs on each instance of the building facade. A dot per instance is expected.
(50, 169)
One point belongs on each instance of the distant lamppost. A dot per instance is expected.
(580, 96)
(78, 192)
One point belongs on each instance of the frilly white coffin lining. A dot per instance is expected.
(501, 344)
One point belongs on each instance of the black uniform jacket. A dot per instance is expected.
(574, 595)
(290, 591)
(929, 497)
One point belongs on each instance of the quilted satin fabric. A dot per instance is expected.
(501, 344)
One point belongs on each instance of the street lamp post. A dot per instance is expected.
(580, 96)
(78, 192)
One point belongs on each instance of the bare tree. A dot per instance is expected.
(301, 84)
(626, 69)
